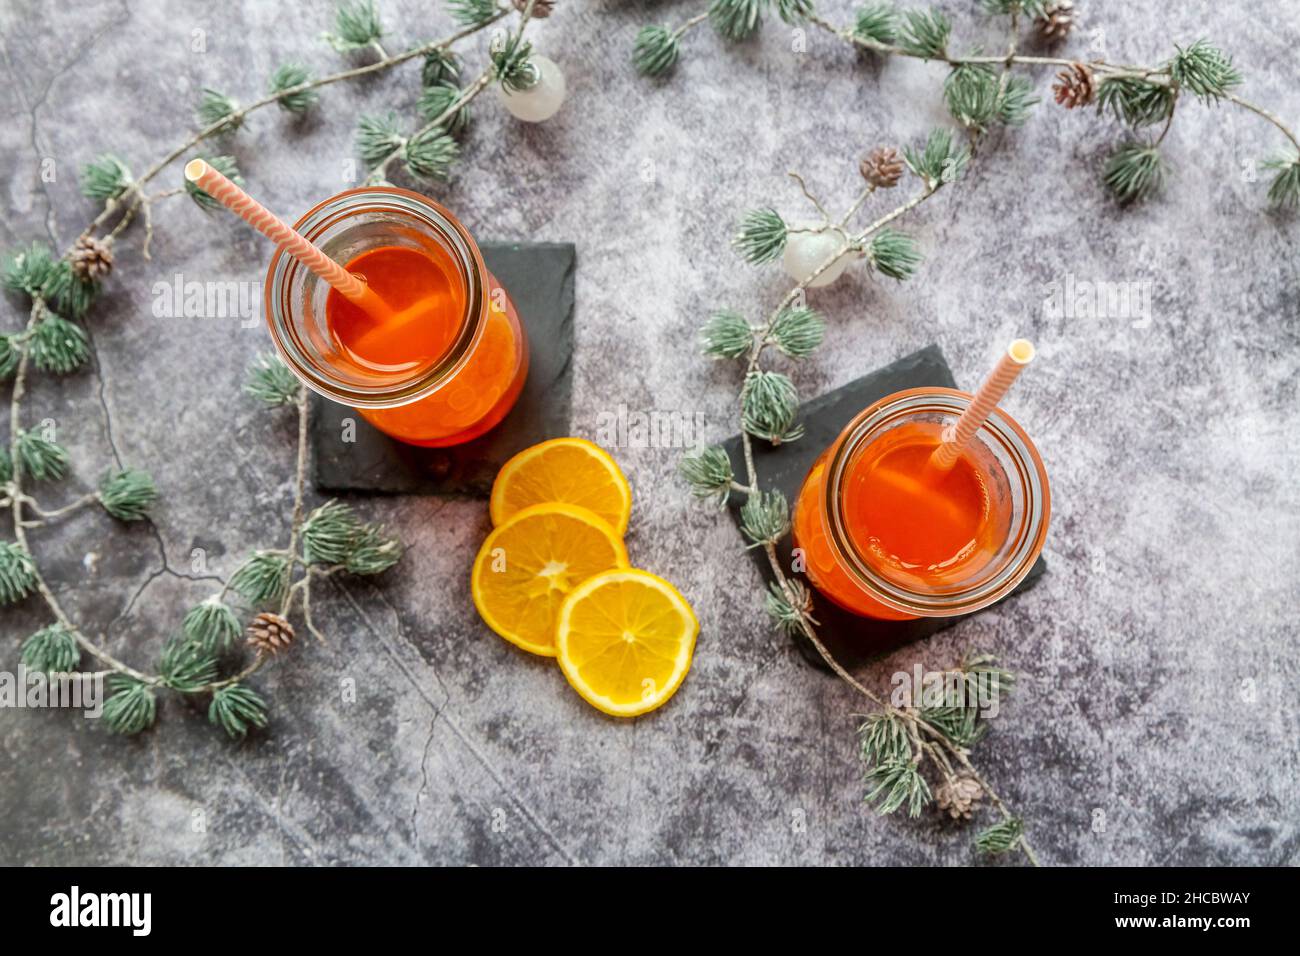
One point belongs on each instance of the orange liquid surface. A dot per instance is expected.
(918, 524)
(427, 301)
(426, 306)
(915, 526)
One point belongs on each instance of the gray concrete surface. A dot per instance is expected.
(1156, 723)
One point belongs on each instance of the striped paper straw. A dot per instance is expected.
(1019, 354)
(274, 228)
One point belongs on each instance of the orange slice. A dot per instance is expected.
(571, 470)
(624, 640)
(529, 564)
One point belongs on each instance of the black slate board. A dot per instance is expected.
(539, 279)
(852, 640)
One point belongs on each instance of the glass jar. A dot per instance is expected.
(442, 400)
(848, 573)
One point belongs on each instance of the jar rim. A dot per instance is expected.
(1002, 431)
(283, 269)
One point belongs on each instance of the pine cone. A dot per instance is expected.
(270, 633)
(1056, 22)
(541, 8)
(92, 258)
(1075, 86)
(882, 167)
(958, 796)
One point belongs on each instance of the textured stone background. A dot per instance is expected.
(1159, 663)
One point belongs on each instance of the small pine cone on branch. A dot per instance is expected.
(958, 796)
(882, 167)
(1056, 22)
(270, 633)
(541, 8)
(92, 259)
(1075, 86)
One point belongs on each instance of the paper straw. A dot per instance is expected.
(220, 188)
(1019, 354)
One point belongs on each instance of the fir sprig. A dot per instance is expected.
(42, 458)
(9, 358)
(440, 66)
(263, 578)
(132, 706)
(285, 79)
(270, 381)
(1135, 101)
(896, 784)
(330, 533)
(185, 665)
(1001, 837)
(357, 25)
(58, 346)
(787, 614)
(127, 494)
(211, 624)
(1205, 70)
(769, 403)
(761, 237)
(925, 34)
(215, 107)
(53, 650)
(726, 335)
(708, 472)
(35, 271)
(939, 161)
(472, 13)
(765, 517)
(793, 11)
(1134, 171)
(736, 19)
(512, 65)
(876, 23)
(436, 99)
(17, 572)
(1283, 191)
(374, 552)
(236, 709)
(430, 153)
(798, 332)
(656, 50)
(105, 178)
(378, 138)
(894, 254)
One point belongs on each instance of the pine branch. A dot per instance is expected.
(270, 381)
(211, 624)
(708, 472)
(290, 85)
(127, 494)
(236, 709)
(356, 26)
(53, 650)
(726, 335)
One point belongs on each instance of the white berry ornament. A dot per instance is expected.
(806, 251)
(537, 92)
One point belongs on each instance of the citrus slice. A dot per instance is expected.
(571, 470)
(624, 640)
(527, 566)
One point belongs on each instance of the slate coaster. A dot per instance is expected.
(539, 278)
(852, 640)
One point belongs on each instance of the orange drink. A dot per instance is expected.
(443, 361)
(885, 534)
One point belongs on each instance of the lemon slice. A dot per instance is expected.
(570, 470)
(528, 565)
(624, 640)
